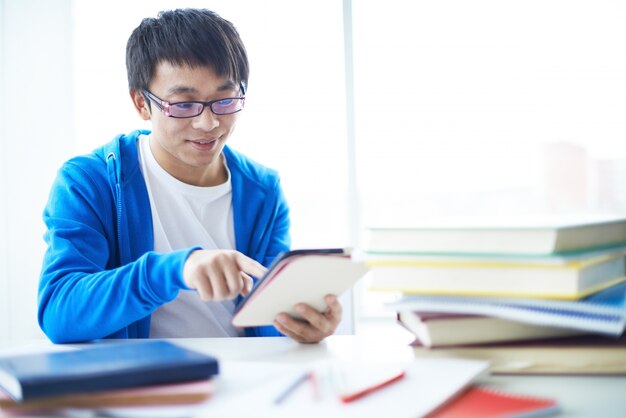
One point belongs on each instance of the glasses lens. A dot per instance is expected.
(185, 109)
(227, 106)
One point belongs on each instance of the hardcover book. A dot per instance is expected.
(435, 329)
(495, 236)
(582, 355)
(555, 277)
(102, 366)
(169, 394)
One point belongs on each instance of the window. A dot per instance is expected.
(472, 108)
(489, 106)
(461, 107)
(294, 119)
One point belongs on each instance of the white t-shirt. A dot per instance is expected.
(183, 216)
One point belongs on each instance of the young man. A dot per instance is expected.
(157, 234)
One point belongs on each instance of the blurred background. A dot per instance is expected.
(374, 113)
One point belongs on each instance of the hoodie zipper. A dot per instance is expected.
(112, 171)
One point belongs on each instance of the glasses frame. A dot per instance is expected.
(164, 106)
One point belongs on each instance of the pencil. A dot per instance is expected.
(292, 387)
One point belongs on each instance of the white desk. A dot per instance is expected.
(578, 396)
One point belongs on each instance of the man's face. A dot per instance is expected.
(189, 149)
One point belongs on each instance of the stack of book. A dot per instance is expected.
(105, 375)
(479, 287)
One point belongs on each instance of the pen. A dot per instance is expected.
(314, 385)
(292, 387)
(349, 397)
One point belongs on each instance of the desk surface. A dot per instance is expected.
(578, 396)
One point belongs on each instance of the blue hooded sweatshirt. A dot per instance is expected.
(101, 277)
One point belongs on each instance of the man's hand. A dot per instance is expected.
(220, 274)
(314, 326)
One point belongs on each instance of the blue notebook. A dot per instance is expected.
(603, 312)
(102, 366)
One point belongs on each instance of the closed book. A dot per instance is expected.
(554, 277)
(484, 402)
(603, 312)
(434, 329)
(103, 366)
(298, 276)
(498, 236)
(168, 394)
(580, 355)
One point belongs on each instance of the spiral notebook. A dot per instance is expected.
(603, 312)
(483, 402)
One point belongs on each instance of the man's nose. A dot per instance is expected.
(207, 120)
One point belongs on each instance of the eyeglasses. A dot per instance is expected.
(225, 106)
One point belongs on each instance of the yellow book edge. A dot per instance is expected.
(575, 264)
(534, 295)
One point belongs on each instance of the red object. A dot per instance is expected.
(480, 402)
(356, 395)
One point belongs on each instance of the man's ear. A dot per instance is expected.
(141, 104)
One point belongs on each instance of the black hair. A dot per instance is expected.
(192, 37)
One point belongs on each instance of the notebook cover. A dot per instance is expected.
(480, 402)
(102, 366)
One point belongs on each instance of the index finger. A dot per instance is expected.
(250, 266)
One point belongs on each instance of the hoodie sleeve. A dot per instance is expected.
(83, 292)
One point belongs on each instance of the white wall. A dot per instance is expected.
(63, 100)
(482, 107)
(36, 137)
(4, 284)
